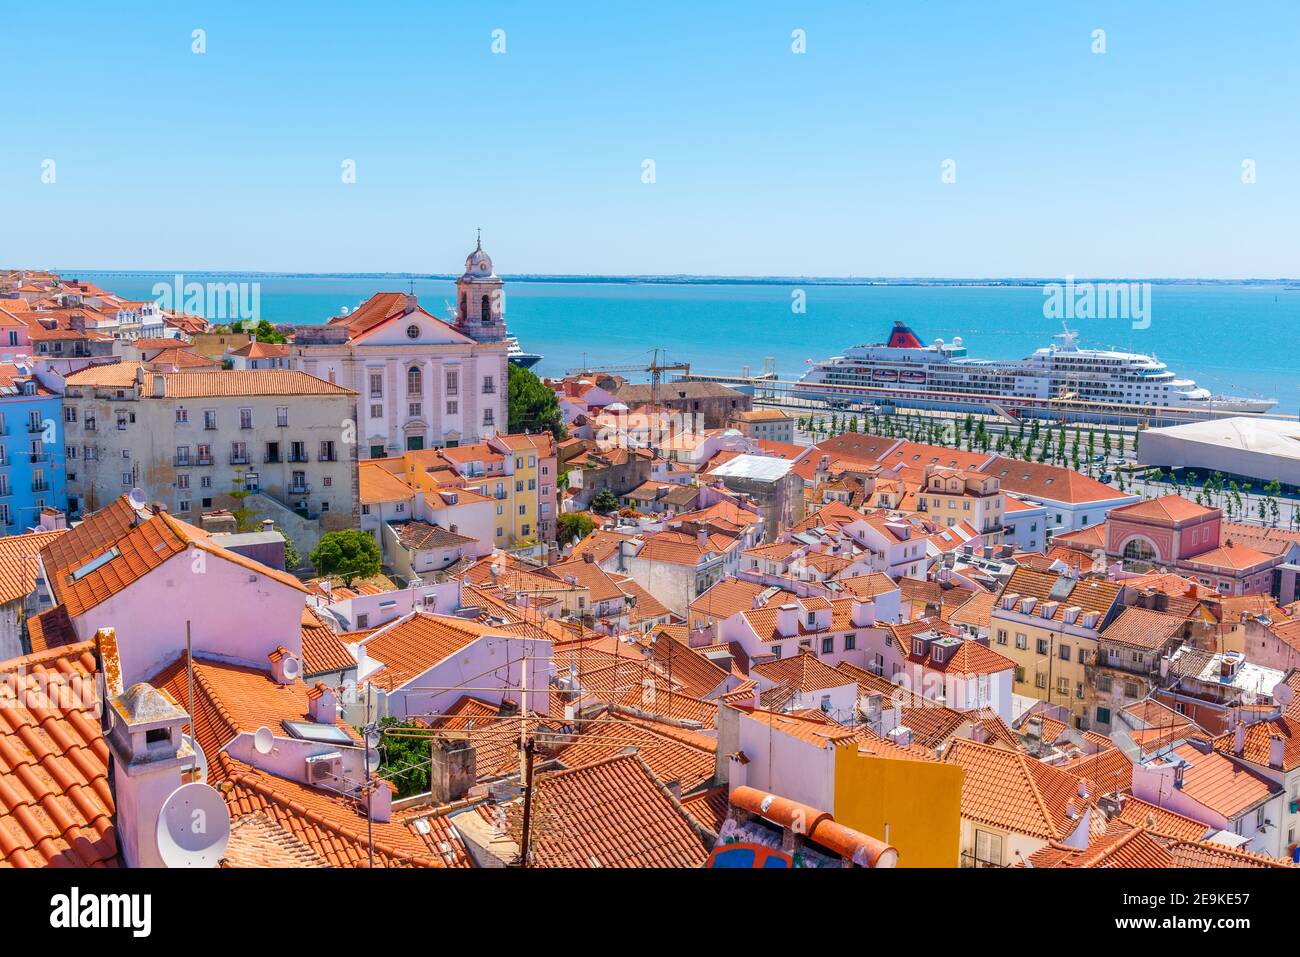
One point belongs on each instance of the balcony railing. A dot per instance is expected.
(35, 428)
(40, 486)
(181, 461)
(300, 457)
(203, 460)
(300, 489)
(271, 458)
(238, 458)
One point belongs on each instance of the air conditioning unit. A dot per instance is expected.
(322, 768)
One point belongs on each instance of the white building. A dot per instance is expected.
(422, 382)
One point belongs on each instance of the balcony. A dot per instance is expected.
(203, 460)
(330, 457)
(6, 492)
(298, 457)
(301, 488)
(182, 461)
(271, 458)
(40, 486)
(39, 456)
(35, 428)
(237, 458)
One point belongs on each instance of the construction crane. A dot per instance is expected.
(655, 368)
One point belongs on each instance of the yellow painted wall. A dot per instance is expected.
(919, 800)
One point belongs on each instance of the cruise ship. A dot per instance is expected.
(516, 354)
(905, 371)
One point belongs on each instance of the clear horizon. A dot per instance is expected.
(1167, 154)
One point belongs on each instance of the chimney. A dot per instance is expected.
(381, 800)
(145, 740)
(159, 386)
(589, 557)
(1239, 739)
(901, 736)
(286, 668)
(52, 519)
(410, 304)
(322, 704)
(268, 524)
(702, 539)
(864, 613)
(454, 768)
(787, 620)
(1276, 751)
(1178, 774)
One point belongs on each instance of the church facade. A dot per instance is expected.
(421, 382)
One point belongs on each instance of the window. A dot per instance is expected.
(1103, 716)
(1064, 652)
(453, 382)
(1040, 680)
(376, 411)
(850, 642)
(414, 381)
(183, 481)
(1139, 550)
(376, 385)
(413, 409)
(453, 408)
(282, 415)
(1002, 636)
(828, 645)
(210, 419)
(327, 451)
(1022, 641)
(489, 385)
(182, 416)
(988, 849)
(1042, 646)
(69, 413)
(245, 418)
(487, 417)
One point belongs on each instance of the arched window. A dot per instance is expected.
(486, 310)
(1139, 550)
(414, 381)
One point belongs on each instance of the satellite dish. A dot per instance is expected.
(1283, 694)
(193, 827)
(292, 668)
(263, 740)
(137, 498)
(200, 759)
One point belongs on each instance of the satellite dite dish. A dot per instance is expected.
(137, 498)
(200, 759)
(264, 740)
(1283, 694)
(193, 827)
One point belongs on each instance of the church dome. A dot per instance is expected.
(478, 263)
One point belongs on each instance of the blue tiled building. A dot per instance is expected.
(32, 473)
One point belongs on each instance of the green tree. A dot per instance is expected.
(291, 557)
(573, 525)
(531, 407)
(604, 502)
(349, 553)
(241, 513)
(405, 760)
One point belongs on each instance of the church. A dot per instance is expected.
(421, 382)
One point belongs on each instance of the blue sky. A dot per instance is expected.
(1127, 163)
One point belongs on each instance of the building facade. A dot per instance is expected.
(32, 474)
(188, 439)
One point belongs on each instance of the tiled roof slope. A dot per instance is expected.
(55, 804)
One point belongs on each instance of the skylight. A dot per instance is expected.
(312, 731)
(98, 561)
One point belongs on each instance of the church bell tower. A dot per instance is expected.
(480, 299)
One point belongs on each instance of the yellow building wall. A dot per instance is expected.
(1050, 665)
(920, 801)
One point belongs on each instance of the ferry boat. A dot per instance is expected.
(905, 371)
(515, 354)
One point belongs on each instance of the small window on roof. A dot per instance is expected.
(97, 562)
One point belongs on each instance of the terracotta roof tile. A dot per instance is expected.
(1011, 790)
